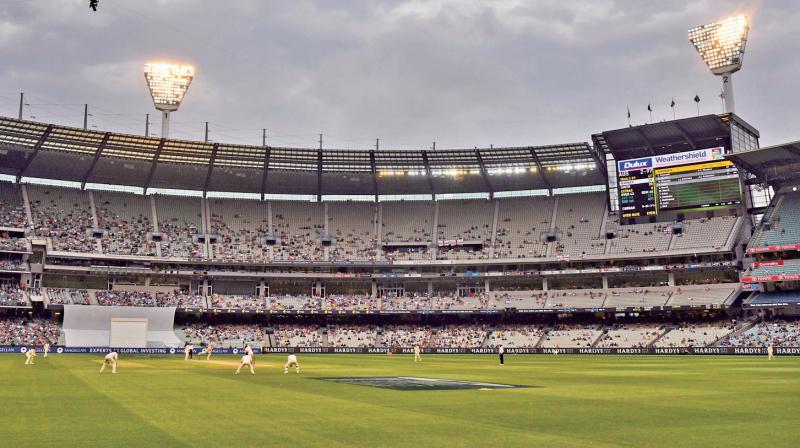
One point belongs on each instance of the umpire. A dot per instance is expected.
(501, 351)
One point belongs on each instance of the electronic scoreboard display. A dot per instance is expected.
(680, 181)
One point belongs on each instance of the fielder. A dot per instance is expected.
(246, 360)
(770, 355)
(46, 349)
(29, 355)
(110, 360)
(417, 357)
(207, 351)
(249, 351)
(291, 362)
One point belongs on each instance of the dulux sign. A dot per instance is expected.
(678, 158)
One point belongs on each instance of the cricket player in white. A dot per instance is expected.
(770, 355)
(29, 355)
(110, 360)
(417, 357)
(291, 361)
(207, 351)
(246, 360)
(46, 349)
(187, 352)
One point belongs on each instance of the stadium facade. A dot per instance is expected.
(671, 222)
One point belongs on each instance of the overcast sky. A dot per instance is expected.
(460, 73)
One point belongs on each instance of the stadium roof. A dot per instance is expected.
(32, 149)
(771, 165)
(684, 134)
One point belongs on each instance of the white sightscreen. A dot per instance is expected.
(90, 325)
(128, 333)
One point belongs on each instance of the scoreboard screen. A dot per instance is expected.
(680, 181)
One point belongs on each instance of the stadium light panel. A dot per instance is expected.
(168, 84)
(721, 46)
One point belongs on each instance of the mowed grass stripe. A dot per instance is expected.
(53, 406)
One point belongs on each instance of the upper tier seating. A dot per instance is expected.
(578, 221)
(179, 221)
(637, 238)
(243, 227)
(127, 220)
(352, 227)
(705, 232)
(407, 221)
(637, 297)
(777, 297)
(13, 297)
(469, 220)
(238, 228)
(575, 298)
(517, 299)
(789, 267)
(521, 225)
(299, 228)
(12, 211)
(62, 296)
(705, 295)
(784, 216)
(64, 215)
(240, 302)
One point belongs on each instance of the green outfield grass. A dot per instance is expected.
(653, 401)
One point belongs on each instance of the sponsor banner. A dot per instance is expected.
(761, 249)
(768, 263)
(751, 287)
(679, 158)
(121, 351)
(793, 304)
(771, 278)
(794, 351)
(450, 243)
(545, 351)
(713, 306)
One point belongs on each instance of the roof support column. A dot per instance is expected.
(539, 166)
(428, 174)
(96, 158)
(36, 149)
(210, 168)
(153, 165)
(484, 174)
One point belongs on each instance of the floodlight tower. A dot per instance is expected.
(168, 84)
(721, 45)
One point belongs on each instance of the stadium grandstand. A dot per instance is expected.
(470, 238)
